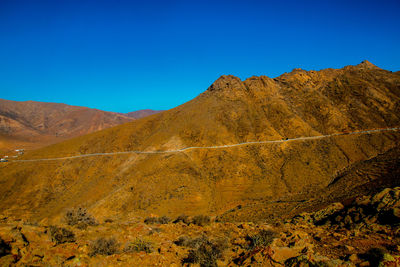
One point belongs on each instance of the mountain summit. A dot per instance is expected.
(367, 65)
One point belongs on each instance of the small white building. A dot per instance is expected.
(20, 151)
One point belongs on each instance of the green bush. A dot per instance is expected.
(201, 220)
(61, 235)
(104, 246)
(80, 218)
(139, 245)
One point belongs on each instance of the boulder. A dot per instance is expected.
(323, 215)
(387, 198)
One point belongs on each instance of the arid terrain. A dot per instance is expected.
(363, 232)
(324, 193)
(31, 124)
(142, 113)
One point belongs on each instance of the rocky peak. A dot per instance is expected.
(226, 82)
(365, 64)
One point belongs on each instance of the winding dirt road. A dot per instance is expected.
(213, 147)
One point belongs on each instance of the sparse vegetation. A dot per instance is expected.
(61, 235)
(80, 218)
(182, 218)
(164, 220)
(139, 245)
(206, 253)
(104, 246)
(182, 241)
(262, 239)
(151, 220)
(157, 220)
(201, 220)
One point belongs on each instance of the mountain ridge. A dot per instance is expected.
(212, 181)
(138, 114)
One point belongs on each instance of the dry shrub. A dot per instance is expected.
(80, 218)
(157, 220)
(182, 218)
(185, 241)
(206, 252)
(155, 230)
(201, 220)
(139, 245)
(104, 246)
(182, 241)
(262, 239)
(61, 235)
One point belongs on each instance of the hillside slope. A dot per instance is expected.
(142, 113)
(34, 124)
(300, 103)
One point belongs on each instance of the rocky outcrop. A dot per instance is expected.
(382, 208)
(299, 243)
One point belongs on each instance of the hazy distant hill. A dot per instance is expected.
(35, 124)
(215, 181)
(142, 113)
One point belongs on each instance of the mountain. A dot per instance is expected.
(142, 113)
(34, 124)
(254, 177)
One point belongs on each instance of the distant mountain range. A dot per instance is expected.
(142, 113)
(34, 124)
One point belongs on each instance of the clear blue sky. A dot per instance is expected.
(129, 55)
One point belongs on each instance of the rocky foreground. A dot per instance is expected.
(362, 232)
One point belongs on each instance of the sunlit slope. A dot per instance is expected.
(31, 124)
(300, 103)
